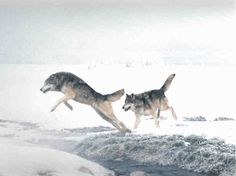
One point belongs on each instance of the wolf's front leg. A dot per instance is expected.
(55, 106)
(68, 105)
(173, 112)
(62, 100)
(137, 121)
(156, 118)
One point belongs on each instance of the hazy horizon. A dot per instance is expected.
(72, 32)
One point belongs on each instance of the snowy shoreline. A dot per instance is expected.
(126, 153)
(193, 153)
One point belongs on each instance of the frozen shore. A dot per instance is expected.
(193, 153)
(154, 155)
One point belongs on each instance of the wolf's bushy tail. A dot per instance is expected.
(167, 83)
(115, 96)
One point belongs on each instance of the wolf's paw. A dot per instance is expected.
(157, 125)
(53, 109)
(127, 130)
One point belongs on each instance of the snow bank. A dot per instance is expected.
(195, 153)
(32, 161)
(201, 118)
(197, 118)
(145, 152)
(223, 119)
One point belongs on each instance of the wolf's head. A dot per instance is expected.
(51, 84)
(129, 102)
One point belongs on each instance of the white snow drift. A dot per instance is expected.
(35, 161)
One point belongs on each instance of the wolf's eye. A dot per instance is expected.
(51, 80)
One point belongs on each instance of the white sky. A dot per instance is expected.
(170, 31)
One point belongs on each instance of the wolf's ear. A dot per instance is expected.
(53, 76)
(132, 96)
(127, 95)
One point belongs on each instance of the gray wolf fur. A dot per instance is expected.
(74, 88)
(150, 103)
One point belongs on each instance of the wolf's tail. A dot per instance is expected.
(115, 96)
(167, 83)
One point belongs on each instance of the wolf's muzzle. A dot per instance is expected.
(126, 108)
(44, 89)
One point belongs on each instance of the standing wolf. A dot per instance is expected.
(150, 103)
(76, 89)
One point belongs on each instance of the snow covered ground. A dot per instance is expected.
(31, 135)
(22, 160)
(28, 149)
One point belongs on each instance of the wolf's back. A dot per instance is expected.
(167, 83)
(115, 96)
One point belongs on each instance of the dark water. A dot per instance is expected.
(131, 152)
(124, 168)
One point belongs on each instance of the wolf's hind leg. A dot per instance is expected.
(106, 111)
(173, 112)
(121, 124)
(156, 118)
(105, 117)
(114, 123)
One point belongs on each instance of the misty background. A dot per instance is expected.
(114, 44)
(179, 32)
(105, 42)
